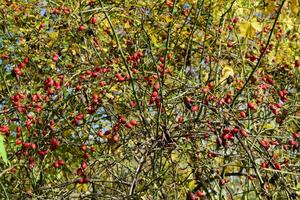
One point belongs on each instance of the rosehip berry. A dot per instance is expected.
(94, 20)
(61, 162)
(235, 20)
(200, 193)
(296, 135)
(277, 166)
(297, 63)
(81, 28)
(116, 138)
(56, 164)
(84, 147)
(251, 105)
(84, 165)
(55, 58)
(133, 122)
(242, 114)
(180, 119)
(195, 108)
(86, 156)
(264, 165)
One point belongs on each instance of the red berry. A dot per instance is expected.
(222, 182)
(192, 196)
(243, 132)
(26, 144)
(297, 63)
(54, 143)
(230, 27)
(18, 142)
(264, 165)
(128, 125)
(200, 193)
(195, 108)
(235, 131)
(84, 165)
(55, 57)
(156, 87)
(140, 54)
(33, 146)
(132, 104)
(57, 85)
(296, 135)
(22, 65)
(265, 144)
(26, 60)
(211, 85)
(205, 90)
(276, 143)
(251, 105)
(61, 162)
(134, 71)
(253, 58)
(122, 120)
(235, 20)
(100, 133)
(162, 59)
(56, 164)
(83, 147)
(293, 143)
(116, 138)
(81, 28)
(4, 129)
(17, 71)
(86, 180)
(81, 180)
(93, 149)
(102, 83)
(277, 166)
(242, 114)
(94, 20)
(86, 156)
(133, 122)
(154, 94)
(180, 119)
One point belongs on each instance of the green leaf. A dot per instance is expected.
(3, 151)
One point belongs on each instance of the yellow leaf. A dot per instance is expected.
(167, 19)
(82, 187)
(204, 76)
(271, 125)
(114, 88)
(249, 28)
(154, 40)
(269, 7)
(294, 6)
(127, 25)
(192, 184)
(226, 72)
(53, 35)
(287, 22)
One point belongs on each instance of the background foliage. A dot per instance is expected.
(127, 99)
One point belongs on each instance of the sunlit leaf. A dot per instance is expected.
(249, 28)
(3, 151)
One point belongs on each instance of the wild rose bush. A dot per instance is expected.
(171, 99)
